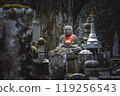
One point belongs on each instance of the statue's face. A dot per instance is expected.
(68, 31)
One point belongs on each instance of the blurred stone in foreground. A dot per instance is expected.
(15, 41)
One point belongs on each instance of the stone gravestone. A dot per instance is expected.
(91, 68)
(58, 64)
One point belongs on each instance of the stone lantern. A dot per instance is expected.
(41, 64)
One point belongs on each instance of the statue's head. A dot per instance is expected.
(68, 30)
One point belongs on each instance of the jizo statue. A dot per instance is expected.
(68, 38)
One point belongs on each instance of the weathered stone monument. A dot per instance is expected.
(115, 61)
(68, 36)
(86, 31)
(84, 55)
(41, 64)
(92, 43)
(69, 42)
(90, 68)
(116, 46)
(58, 64)
(15, 41)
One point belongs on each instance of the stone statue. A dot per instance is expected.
(68, 38)
(69, 42)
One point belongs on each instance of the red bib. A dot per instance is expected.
(67, 38)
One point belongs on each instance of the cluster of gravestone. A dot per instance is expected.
(68, 61)
(72, 62)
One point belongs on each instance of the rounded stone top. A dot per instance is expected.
(68, 27)
(91, 64)
(87, 25)
(41, 41)
(86, 52)
(68, 30)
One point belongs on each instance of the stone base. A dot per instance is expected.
(72, 63)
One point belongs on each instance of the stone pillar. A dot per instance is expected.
(116, 46)
(72, 63)
(15, 42)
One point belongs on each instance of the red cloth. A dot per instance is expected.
(67, 38)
